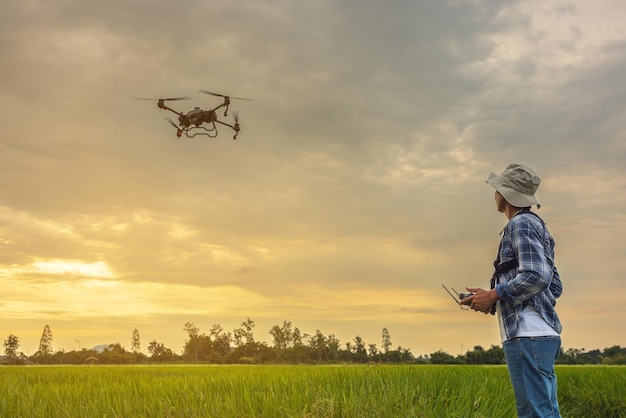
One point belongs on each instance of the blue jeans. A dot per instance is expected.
(530, 361)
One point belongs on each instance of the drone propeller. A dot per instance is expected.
(221, 95)
(171, 122)
(179, 131)
(158, 100)
(236, 126)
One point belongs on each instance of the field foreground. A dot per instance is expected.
(294, 391)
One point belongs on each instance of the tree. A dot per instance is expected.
(407, 356)
(192, 347)
(614, 355)
(318, 344)
(221, 340)
(495, 355)
(191, 329)
(115, 354)
(333, 344)
(11, 345)
(297, 337)
(373, 351)
(282, 335)
(441, 357)
(45, 344)
(159, 352)
(245, 333)
(135, 345)
(359, 349)
(386, 340)
(199, 348)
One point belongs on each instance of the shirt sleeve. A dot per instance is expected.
(534, 272)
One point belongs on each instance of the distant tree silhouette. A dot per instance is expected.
(495, 355)
(245, 333)
(360, 353)
(221, 341)
(159, 352)
(283, 336)
(45, 345)
(372, 351)
(192, 348)
(386, 340)
(244, 337)
(290, 346)
(135, 345)
(318, 345)
(441, 357)
(11, 345)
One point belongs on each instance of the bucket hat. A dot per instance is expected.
(518, 184)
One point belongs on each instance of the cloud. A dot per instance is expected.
(360, 166)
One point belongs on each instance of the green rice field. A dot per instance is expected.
(294, 391)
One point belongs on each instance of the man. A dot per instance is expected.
(524, 289)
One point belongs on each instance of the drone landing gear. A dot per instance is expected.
(193, 131)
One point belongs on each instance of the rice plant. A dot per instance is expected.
(294, 391)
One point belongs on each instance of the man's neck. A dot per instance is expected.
(510, 211)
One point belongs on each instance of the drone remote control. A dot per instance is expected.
(460, 296)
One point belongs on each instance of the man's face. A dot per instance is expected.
(500, 202)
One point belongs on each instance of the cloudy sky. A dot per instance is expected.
(354, 190)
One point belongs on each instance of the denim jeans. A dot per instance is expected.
(530, 361)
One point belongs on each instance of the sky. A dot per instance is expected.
(355, 188)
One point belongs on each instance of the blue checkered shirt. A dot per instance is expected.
(532, 277)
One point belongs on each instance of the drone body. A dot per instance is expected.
(198, 116)
(198, 121)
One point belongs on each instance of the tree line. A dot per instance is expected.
(289, 345)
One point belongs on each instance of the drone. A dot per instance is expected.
(198, 121)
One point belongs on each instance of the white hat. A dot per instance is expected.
(518, 184)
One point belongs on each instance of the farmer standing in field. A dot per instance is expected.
(524, 289)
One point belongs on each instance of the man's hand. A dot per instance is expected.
(481, 300)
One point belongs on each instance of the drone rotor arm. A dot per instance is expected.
(225, 124)
(164, 107)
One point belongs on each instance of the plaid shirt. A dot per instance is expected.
(531, 278)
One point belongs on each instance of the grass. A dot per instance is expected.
(294, 391)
